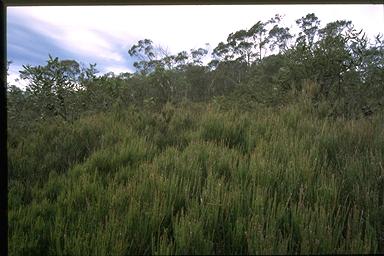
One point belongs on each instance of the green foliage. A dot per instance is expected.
(256, 182)
(231, 132)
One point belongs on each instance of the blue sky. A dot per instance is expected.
(103, 34)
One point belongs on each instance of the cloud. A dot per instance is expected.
(26, 46)
(32, 36)
(117, 69)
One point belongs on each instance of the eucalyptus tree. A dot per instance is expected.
(249, 46)
(148, 56)
(279, 37)
(239, 47)
(300, 64)
(229, 63)
(232, 59)
(152, 63)
(309, 26)
(259, 34)
(181, 59)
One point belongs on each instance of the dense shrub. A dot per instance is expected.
(262, 182)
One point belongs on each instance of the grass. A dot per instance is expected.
(198, 180)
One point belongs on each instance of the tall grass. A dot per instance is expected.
(196, 180)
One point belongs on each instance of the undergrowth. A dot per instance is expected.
(198, 180)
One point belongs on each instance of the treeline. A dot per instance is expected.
(337, 66)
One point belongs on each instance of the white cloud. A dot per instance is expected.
(117, 69)
(86, 42)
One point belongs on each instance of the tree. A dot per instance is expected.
(52, 86)
(181, 60)
(337, 52)
(239, 47)
(197, 55)
(149, 57)
(301, 63)
(261, 36)
(309, 26)
(279, 37)
(258, 33)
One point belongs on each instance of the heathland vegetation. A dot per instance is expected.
(273, 146)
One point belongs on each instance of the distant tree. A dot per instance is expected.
(279, 37)
(149, 57)
(181, 59)
(259, 34)
(197, 55)
(309, 26)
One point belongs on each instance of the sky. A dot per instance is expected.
(104, 34)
